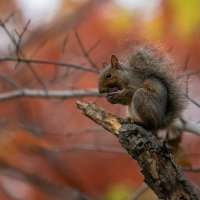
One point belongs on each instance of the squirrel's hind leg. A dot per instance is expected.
(150, 103)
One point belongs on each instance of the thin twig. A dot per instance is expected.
(48, 62)
(9, 17)
(186, 62)
(141, 190)
(66, 39)
(19, 52)
(57, 191)
(187, 86)
(94, 46)
(20, 35)
(187, 82)
(86, 53)
(193, 101)
(188, 76)
(56, 73)
(75, 133)
(7, 32)
(87, 147)
(193, 170)
(39, 47)
(189, 72)
(9, 80)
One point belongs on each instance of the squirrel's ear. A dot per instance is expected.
(105, 64)
(114, 61)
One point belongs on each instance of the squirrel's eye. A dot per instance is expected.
(108, 75)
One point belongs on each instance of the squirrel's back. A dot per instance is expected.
(148, 62)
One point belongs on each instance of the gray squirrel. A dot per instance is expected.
(147, 85)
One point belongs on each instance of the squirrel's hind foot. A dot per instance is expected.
(127, 120)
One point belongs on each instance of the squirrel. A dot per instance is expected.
(147, 85)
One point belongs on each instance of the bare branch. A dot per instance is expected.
(35, 74)
(9, 17)
(186, 62)
(189, 72)
(7, 32)
(87, 147)
(193, 101)
(19, 53)
(9, 80)
(20, 35)
(187, 126)
(48, 62)
(57, 191)
(187, 86)
(66, 39)
(136, 194)
(193, 170)
(100, 116)
(188, 76)
(180, 124)
(94, 46)
(187, 83)
(72, 133)
(63, 94)
(85, 53)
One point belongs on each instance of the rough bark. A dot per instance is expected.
(160, 171)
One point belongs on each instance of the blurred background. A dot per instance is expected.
(48, 149)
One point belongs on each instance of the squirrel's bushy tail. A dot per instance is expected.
(150, 62)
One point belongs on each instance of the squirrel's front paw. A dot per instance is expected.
(113, 97)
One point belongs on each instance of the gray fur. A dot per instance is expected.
(147, 61)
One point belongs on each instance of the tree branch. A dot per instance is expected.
(85, 53)
(100, 116)
(136, 194)
(189, 72)
(187, 126)
(20, 53)
(157, 165)
(57, 191)
(48, 62)
(65, 94)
